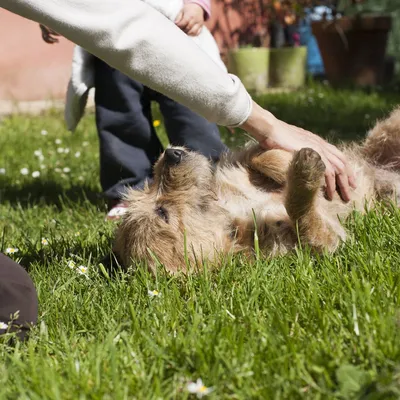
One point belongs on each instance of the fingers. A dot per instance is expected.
(351, 177)
(48, 35)
(336, 175)
(195, 30)
(179, 18)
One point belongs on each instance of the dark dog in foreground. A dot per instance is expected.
(195, 210)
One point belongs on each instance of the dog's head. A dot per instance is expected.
(177, 214)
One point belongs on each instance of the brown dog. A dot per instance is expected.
(194, 210)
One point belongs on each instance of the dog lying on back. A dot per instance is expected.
(195, 211)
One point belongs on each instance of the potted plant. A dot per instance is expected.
(353, 45)
(249, 60)
(288, 58)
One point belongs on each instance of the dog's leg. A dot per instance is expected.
(272, 163)
(305, 176)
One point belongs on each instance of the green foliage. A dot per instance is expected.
(293, 327)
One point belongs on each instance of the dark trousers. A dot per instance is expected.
(17, 295)
(129, 145)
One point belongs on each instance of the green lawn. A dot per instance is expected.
(288, 328)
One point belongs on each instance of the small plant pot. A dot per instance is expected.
(251, 66)
(288, 67)
(353, 49)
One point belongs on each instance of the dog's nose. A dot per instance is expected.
(173, 156)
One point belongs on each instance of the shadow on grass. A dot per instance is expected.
(48, 193)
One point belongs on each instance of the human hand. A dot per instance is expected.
(272, 133)
(48, 34)
(191, 19)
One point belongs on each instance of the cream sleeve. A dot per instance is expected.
(136, 39)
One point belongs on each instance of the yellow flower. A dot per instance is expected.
(156, 123)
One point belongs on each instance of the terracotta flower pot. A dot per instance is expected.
(353, 49)
(251, 66)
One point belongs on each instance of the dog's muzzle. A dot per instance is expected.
(173, 156)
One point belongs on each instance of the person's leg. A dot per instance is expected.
(17, 297)
(128, 143)
(186, 128)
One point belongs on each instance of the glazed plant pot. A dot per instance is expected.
(353, 49)
(251, 65)
(288, 67)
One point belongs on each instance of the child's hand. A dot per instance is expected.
(48, 35)
(191, 19)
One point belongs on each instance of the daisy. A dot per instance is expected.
(2, 171)
(43, 132)
(85, 144)
(156, 123)
(60, 150)
(198, 388)
(66, 169)
(71, 264)
(35, 174)
(77, 154)
(153, 293)
(77, 233)
(24, 171)
(45, 242)
(58, 141)
(38, 153)
(82, 270)
(3, 326)
(11, 250)
(66, 150)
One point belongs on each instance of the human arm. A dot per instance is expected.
(137, 40)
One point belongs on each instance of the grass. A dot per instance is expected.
(298, 326)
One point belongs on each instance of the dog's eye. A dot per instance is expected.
(162, 212)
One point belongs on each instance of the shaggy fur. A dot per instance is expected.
(214, 209)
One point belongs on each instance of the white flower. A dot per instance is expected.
(71, 264)
(45, 242)
(43, 132)
(42, 166)
(35, 174)
(77, 154)
(66, 169)
(2, 171)
(77, 233)
(198, 388)
(11, 250)
(85, 144)
(38, 153)
(154, 293)
(24, 171)
(81, 178)
(66, 150)
(60, 150)
(58, 141)
(82, 270)
(3, 326)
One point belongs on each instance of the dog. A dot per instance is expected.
(251, 200)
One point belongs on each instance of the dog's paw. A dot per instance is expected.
(308, 167)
